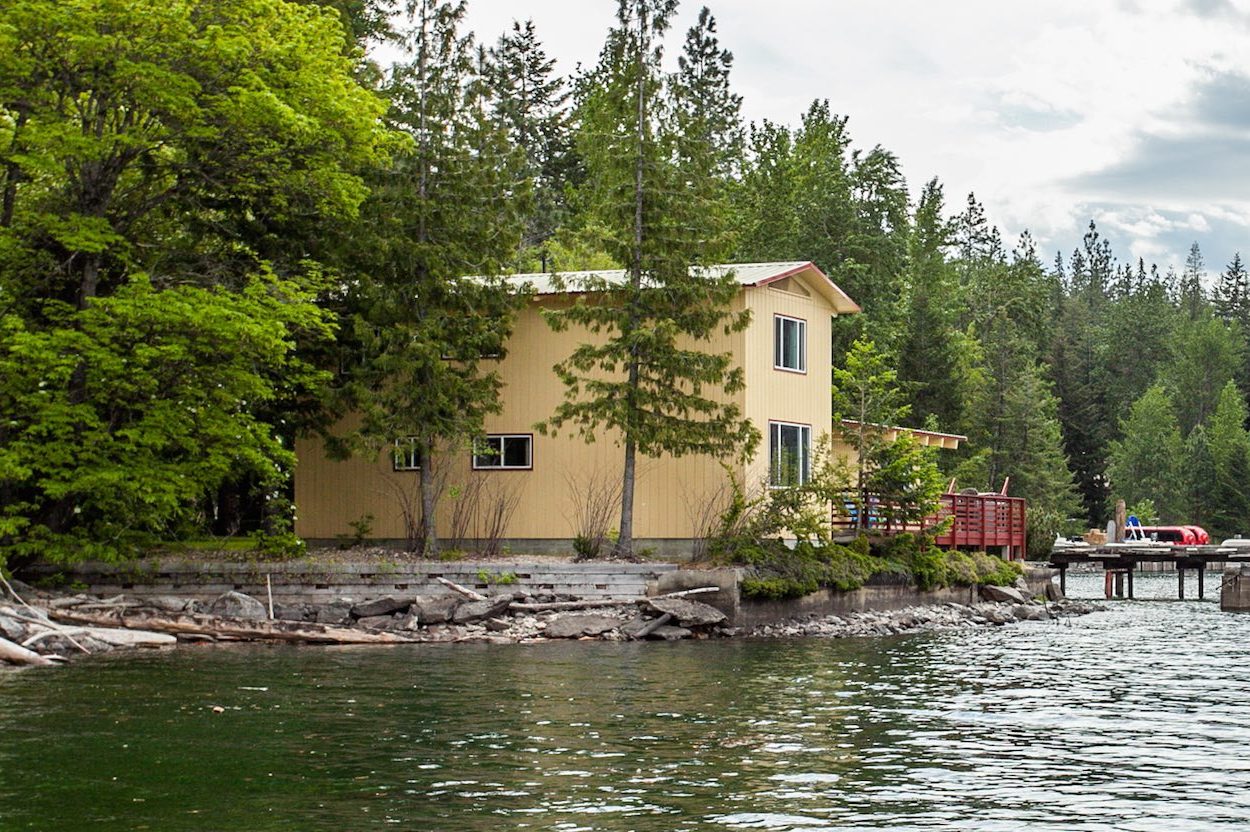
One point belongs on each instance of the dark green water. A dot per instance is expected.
(1133, 719)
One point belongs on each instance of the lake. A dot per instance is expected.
(1130, 719)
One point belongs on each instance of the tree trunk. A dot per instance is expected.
(429, 532)
(625, 540)
(187, 624)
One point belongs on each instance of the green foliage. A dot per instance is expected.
(362, 529)
(485, 576)
(1148, 462)
(120, 416)
(651, 190)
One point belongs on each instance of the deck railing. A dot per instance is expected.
(978, 521)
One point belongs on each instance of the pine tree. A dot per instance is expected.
(1078, 370)
(709, 112)
(1232, 295)
(532, 101)
(1229, 505)
(450, 206)
(1148, 462)
(1204, 356)
(929, 343)
(1191, 293)
(644, 381)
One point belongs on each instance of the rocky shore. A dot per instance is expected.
(40, 628)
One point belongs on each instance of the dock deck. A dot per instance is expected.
(1121, 560)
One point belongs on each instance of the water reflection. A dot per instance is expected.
(1128, 719)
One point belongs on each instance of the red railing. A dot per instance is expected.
(978, 522)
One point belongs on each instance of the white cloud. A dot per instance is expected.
(1048, 111)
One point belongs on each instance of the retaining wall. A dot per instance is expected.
(296, 582)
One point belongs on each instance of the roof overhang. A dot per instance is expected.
(927, 438)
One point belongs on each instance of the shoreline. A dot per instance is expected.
(59, 627)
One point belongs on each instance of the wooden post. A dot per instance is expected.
(1063, 580)
(1121, 520)
(1119, 583)
(1106, 584)
(1201, 578)
(1131, 567)
(1180, 582)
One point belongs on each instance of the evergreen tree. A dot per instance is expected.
(1148, 462)
(929, 343)
(532, 101)
(1229, 503)
(1232, 295)
(1200, 491)
(1204, 356)
(450, 206)
(1191, 293)
(898, 471)
(646, 380)
(1078, 370)
(708, 110)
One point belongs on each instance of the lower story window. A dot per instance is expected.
(504, 451)
(406, 456)
(789, 454)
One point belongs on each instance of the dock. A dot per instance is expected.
(1120, 560)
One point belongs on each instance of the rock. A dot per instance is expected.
(472, 611)
(12, 629)
(1022, 585)
(237, 605)
(1003, 595)
(670, 633)
(576, 626)
(632, 627)
(498, 625)
(434, 609)
(295, 612)
(1030, 612)
(168, 603)
(410, 622)
(381, 606)
(685, 612)
(1053, 592)
(335, 612)
(378, 622)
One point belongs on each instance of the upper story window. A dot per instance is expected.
(789, 344)
(789, 454)
(504, 452)
(406, 455)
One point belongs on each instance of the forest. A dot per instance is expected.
(224, 223)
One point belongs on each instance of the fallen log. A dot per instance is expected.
(43, 623)
(228, 628)
(651, 626)
(109, 635)
(551, 606)
(17, 654)
(462, 590)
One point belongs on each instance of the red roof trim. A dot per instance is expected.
(808, 266)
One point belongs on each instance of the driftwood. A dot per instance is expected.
(233, 628)
(550, 606)
(112, 636)
(651, 626)
(17, 654)
(462, 590)
(40, 620)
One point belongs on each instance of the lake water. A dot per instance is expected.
(1131, 719)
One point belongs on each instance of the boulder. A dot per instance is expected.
(498, 625)
(237, 605)
(378, 622)
(410, 622)
(12, 629)
(670, 633)
(381, 606)
(168, 603)
(1030, 612)
(576, 626)
(1003, 595)
(295, 612)
(685, 612)
(1053, 592)
(434, 609)
(472, 611)
(633, 627)
(335, 612)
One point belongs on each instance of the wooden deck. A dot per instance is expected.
(1120, 560)
(979, 522)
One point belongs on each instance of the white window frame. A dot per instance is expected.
(780, 323)
(775, 434)
(406, 455)
(480, 450)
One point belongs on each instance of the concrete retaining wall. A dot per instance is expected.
(310, 582)
(295, 582)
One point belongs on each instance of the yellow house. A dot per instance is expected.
(536, 491)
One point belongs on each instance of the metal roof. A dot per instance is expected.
(747, 274)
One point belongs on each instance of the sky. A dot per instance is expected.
(1132, 113)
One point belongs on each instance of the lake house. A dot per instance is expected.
(536, 491)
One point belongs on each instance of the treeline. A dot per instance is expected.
(222, 225)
